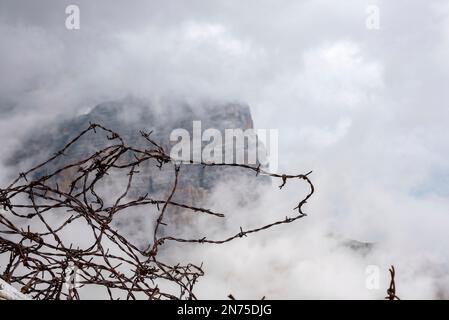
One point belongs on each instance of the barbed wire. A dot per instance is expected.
(391, 291)
(39, 260)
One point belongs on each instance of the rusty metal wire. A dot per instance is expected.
(391, 291)
(38, 261)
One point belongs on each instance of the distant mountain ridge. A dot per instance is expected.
(128, 117)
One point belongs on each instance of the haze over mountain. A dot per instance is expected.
(128, 117)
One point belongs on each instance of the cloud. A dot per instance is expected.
(366, 110)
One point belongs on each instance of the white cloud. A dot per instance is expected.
(337, 75)
(366, 110)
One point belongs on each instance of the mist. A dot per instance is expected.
(364, 109)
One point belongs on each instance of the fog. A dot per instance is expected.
(366, 110)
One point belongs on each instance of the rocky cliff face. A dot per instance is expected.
(130, 115)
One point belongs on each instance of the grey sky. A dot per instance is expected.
(365, 109)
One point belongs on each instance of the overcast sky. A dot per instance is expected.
(367, 110)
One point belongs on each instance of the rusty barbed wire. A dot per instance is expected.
(37, 261)
(391, 291)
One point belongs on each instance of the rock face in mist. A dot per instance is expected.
(128, 117)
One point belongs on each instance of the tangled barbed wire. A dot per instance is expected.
(37, 257)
